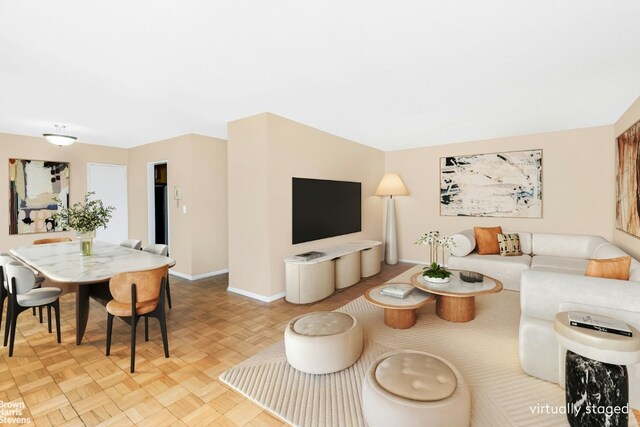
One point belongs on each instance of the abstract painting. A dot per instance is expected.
(493, 185)
(627, 185)
(33, 185)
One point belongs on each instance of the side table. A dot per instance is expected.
(596, 380)
(399, 313)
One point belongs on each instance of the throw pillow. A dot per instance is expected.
(610, 268)
(487, 240)
(509, 244)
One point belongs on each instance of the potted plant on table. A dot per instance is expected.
(435, 272)
(84, 217)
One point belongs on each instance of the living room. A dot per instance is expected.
(229, 203)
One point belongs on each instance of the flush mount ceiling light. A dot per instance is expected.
(59, 138)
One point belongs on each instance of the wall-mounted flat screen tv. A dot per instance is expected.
(324, 208)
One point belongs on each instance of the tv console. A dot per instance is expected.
(338, 267)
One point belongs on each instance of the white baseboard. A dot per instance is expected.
(198, 276)
(254, 295)
(412, 261)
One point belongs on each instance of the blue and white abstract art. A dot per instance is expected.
(492, 185)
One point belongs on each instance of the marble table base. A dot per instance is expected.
(597, 393)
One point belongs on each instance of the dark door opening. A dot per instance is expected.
(161, 206)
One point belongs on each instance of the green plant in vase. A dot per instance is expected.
(437, 246)
(85, 218)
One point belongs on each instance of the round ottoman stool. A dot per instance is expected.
(323, 342)
(413, 388)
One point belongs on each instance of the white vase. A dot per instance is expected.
(436, 279)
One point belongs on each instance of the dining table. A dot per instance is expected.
(64, 264)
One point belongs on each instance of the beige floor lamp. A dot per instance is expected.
(391, 185)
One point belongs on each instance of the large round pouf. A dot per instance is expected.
(323, 342)
(412, 388)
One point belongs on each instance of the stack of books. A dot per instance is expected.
(599, 323)
(396, 291)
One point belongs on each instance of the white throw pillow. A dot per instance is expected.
(465, 243)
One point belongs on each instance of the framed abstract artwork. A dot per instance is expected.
(33, 185)
(505, 184)
(627, 185)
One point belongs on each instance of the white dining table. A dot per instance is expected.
(63, 263)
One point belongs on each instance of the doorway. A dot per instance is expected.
(158, 203)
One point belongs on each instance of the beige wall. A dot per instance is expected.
(265, 152)
(37, 148)
(196, 164)
(629, 243)
(578, 178)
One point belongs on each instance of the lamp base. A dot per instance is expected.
(391, 244)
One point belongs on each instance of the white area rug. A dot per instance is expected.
(485, 351)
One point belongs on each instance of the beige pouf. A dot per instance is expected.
(323, 342)
(412, 388)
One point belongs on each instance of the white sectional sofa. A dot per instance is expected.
(550, 277)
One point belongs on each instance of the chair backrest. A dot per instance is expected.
(23, 275)
(4, 260)
(148, 284)
(161, 250)
(133, 244)
(52, 240)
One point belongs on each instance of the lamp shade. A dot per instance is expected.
(59, 137)
(391, 185)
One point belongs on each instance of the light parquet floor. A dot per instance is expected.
(210, 330)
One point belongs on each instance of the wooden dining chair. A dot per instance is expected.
(135, 295)
(23, 294)
(132, 244)
(52, 240)
(162, 250)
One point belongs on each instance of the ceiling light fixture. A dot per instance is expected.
(59, 138)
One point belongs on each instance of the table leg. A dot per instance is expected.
(82, 311)
(456, 309)
(399, 319)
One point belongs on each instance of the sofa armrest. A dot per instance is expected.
(544, 294)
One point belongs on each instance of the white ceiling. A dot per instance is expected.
(390, 74)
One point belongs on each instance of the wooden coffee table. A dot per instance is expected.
(399, 313)
(455, 300)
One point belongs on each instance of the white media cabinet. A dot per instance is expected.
(340, 267)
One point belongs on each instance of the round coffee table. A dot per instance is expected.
(455, 300)
(399, 313)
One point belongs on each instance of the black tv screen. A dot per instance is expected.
(323, 208)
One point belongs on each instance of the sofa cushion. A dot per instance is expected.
(610, 268)
(566, 245)
(559, 264)
(525, 240)
(509, 244)
(465, 243)
(487, 239)
(505, 269)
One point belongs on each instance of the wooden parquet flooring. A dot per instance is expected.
(210, 330)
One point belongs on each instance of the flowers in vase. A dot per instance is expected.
(84, 217)
(437, 245)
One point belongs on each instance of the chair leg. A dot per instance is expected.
(168, 291)
(146, 328)
(40, 313)
(3, 297)
(134, 323)
(56, 307)
(109, 329)
(163, 329)
(34, 311)
(14, 317)
(48, 317)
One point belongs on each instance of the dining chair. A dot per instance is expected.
(162, 250)
(132, 244)
(135, 295)
(23, 295)
(52, 240)
(5, 258)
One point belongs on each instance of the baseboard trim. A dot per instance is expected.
(198, 276)
(254, 295)
(412, 261)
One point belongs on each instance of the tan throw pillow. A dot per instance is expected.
(610, 268)
(509, 244)
(487, 240)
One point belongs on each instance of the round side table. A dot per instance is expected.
(596, 380)
(399, 313)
